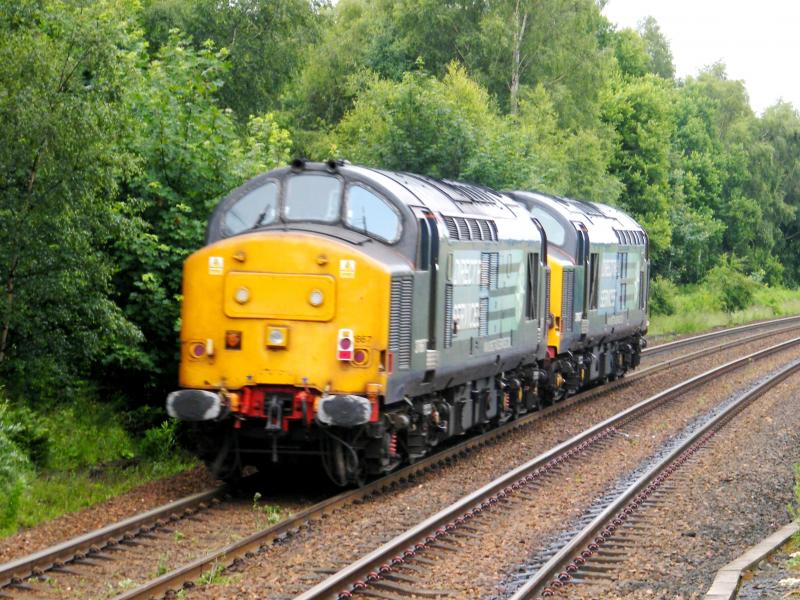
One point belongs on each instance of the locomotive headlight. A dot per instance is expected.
(277, 337)
(316, 298)
(241, 295)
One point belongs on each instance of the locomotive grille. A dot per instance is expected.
(494, 269)
(448, 315)
(452, 228)
(547, 299)
(400, 321)
(568, 300)
(485, 261)
(463, 228)
(483, 328)
(474, 229)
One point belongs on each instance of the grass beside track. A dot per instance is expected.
(66, 457)
(696, 311)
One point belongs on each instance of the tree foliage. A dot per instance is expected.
(191, 153)
(124, 122)
(65, 66)
(264, 42)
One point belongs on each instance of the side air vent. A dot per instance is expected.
(448, 315)
(485, 261)
(490, 270)
(483, 324)
(630, 237)
(547, 299)
(568, 301)
(464, 228)
(452, 228)
(474, 229)
(400, 320)
(494, 270)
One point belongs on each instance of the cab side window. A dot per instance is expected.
(367, 212)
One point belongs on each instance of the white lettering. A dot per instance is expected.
(467, 315)
(498, 344)
(467, 272)
(608, 299)
(608, 268)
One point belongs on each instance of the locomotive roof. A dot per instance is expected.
(467, 211)
(439, 195)
(605, 224)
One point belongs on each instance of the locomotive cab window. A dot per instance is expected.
(364, 211)
(257, 208)
(312, 198)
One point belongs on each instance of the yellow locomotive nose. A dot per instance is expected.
(273, 306)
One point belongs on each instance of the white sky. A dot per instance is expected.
(759, 41)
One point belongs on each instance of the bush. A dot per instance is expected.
(160, 443)
(734, 290)
(22, 427)
(14, 470)
(662, 296)
(138, 421)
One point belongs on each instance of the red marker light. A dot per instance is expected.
(198, 350)
(233, 340)
(344, 345)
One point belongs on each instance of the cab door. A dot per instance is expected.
(427, 291)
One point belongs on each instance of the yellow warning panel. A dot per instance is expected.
(297, 297)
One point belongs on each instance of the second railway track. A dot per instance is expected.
(412, 563)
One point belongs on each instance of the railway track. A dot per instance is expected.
(96, 546)
(600, 539)
(688, 341)
(397, 568)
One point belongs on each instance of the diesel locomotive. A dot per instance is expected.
(365, 316)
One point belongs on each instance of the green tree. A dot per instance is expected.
(265, 42)
(631, 53)
(727, 166)
(418, 124)
(505, 46)
(640, 111)
(780, 127)
(191, 153)
(657, 48)
(65, 68)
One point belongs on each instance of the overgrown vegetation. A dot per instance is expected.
(697, 309)
(74, 455)
(123, 122)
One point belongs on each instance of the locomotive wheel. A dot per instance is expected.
(343, 463)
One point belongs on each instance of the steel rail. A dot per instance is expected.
(713, 334)
(368, 569)
(225, 556)
(15, 571)
(571, 557)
